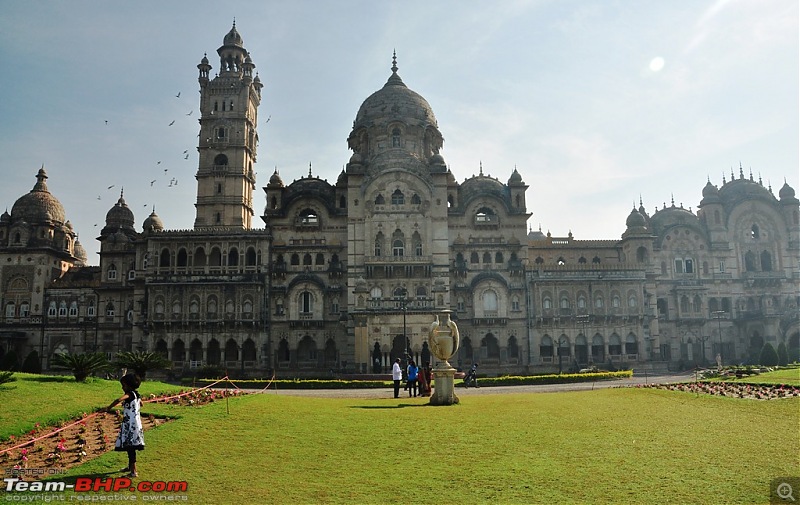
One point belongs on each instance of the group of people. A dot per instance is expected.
(417, 379)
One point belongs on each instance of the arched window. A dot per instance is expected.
(10, 310)
(398, 198)
(598, 302)
(755, 233)
(52, 309)
(110, 310)
(199, 257)
(546, 347)
(376, 293)
(379, 244)
(295, 259)
(73, 309)
(684, 304)
(320, 260)
(182, 257)
(233, 257)
(487, 257)
(398, 248)
(615, 301)
(307, 259)
(547, 303)
(515, 303)
(498, 257)
(766, 261)
(750, 261)
(631, 300)
(221, 159)
(112, 272)
(379, 200)
(250, 258)
(473, 258)
(396, 137)
(581, 302)
(418, 248)
(564, 302)
(697, 304)
(215, 258)
(415, 200)
(247, 307)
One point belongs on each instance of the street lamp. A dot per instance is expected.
(718, 316)
(404, 305)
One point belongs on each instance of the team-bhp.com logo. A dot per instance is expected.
(86, 484)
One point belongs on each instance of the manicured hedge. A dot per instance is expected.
(565, 378)
(482, 381)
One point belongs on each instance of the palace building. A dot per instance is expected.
(348, 275)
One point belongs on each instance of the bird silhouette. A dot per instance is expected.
(98, 197)
(186, 151)
(172, 123)
(152, 182)
(190, 113)
(178, 95)
(106, 122)
(186, 157)
(158, 163)
(165, 170)
(111, 186)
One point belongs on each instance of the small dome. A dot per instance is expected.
(437, 159)
(5, 218)
(515, 178)
(635, 219)
(355, 159)
(786, 191)
(710, 190)
(80, 253)
(204, 61)
(275, 179)
(451, 179)
(153, 222)
(68, 224)
(233, 38)
(38, 206)
(120, 215)
(342, 179)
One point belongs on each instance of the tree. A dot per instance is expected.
(141, 361)
(9, 361)
(32, 364)
(783, 355)
(81, 365)
(768, 355)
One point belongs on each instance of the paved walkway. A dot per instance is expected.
(378, 393)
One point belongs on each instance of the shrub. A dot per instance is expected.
(768, 355)
(210, 372)
(32, 363)
(783, 355)
(9, 361)
(141, 361)
(81, 365)
(7, 377)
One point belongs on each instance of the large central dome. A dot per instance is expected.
(394, 102)
(38, 206)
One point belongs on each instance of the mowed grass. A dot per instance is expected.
(604, 446)
(789, 376)
(48, 399)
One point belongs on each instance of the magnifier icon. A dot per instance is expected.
(785, 491)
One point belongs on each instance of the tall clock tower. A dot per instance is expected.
(228, 138)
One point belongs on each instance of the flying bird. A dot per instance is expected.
(178, 95)
(186, 151)
(165, 170)
(186, 157)
(98, 197)
(172, 123)
(106, 122)
(152, 182)
(111, 186)
(190, 113)
(158, 163)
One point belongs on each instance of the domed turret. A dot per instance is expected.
(710, 194)
(232, 38)
(38, 206)
(120, 216)
(342, 179)
(275, 180)
(635, 219)
(5, 218)
(152, 223)
(786, 192)
(80, 253)
(515, 178)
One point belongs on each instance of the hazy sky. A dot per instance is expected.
(594, 102)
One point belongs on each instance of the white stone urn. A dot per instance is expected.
(443, 339)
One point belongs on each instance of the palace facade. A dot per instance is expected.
(349, 275)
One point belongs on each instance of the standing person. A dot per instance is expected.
(425, 377)
(413, 372)
(397, 376)
(131, 434)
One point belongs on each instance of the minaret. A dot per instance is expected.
(227, 144)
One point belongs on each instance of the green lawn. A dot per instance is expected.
(785, 376)
(47, 399)
(606, 446)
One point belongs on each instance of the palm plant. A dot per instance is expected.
(7, 376)
(141, 361)
(81, 365)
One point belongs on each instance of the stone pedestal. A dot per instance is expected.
(444, 392)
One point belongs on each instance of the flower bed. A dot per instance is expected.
(34, 455)
(732, 389)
